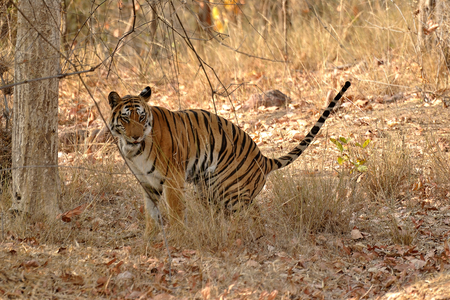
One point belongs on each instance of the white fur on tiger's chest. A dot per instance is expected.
(140, 166)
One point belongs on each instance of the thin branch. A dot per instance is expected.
(81, 27)
(123, 37)
(62, 166)
(218, 34)
(227, 93)
(201, 61)
(7, 111)
(329, 31)
(188, 42)
(50, 77)
(409, 29)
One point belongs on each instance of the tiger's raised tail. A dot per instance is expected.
(283, 161)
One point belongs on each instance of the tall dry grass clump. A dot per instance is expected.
(285, 214)
(297, 205)
(437, 176)
(390, 170)
(210, 227)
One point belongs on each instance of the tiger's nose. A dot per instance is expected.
(135, 137)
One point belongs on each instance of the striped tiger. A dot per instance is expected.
(167, 149)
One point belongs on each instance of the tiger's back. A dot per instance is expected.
(210, 151)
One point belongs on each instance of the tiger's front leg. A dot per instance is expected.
(172, 188)
(152, 213)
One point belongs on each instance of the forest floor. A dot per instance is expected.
(392, 247)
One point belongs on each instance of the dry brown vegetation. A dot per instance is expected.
(319, 229)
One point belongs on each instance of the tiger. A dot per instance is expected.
(168, 149)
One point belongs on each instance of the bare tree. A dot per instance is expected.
(35, 182)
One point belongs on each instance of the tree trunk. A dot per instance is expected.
(426, 8)
(35, 177)
(286, 25)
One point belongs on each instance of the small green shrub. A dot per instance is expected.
(351, 157)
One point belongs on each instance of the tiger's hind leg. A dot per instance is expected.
(247, 212)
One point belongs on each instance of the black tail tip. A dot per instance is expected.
(347, 84)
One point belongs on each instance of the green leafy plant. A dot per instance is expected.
(351, 155)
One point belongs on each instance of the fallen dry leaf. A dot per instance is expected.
(61, 250)
(75, 279)
(30, 264)
(102, 280)
(356, 234)
(206, 292)
(272, 295)
(418, 263)
(297, 136)
(164, 296)
(252, 264)
(125, 276)
(361, 103)
(431, 27)
(67, 216)
(135, 294)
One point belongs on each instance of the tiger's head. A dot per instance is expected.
(131, 119)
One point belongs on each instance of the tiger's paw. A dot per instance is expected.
(151, 230)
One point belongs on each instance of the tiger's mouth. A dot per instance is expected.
(135, 142)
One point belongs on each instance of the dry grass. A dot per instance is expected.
(295, 241)
(401, 235)
(309, 203)
(390, 170)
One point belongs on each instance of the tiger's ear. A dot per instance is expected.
(146, 93)
(114, 99)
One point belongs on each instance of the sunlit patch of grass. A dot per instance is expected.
(210, 227)
(439, 158)
(111, 199)
(291, 209)
(390, 170)
(309, 203)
